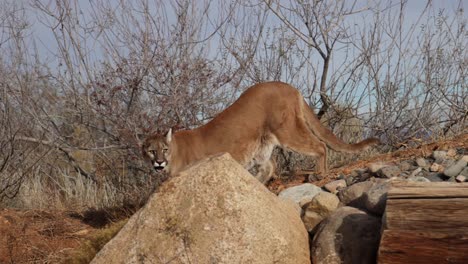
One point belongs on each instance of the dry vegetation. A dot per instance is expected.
(77, 96)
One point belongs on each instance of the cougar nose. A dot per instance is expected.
(159, 165)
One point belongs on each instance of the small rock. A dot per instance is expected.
(348, 235)
(465, 158)
(406, 165)
(405, 174)
(376, 166)
(422, 162)
(323, 203)
(353, 195)
(300, 194)
(311, 219)
(355, 174)
(435, 177)
(389, 172)
(349, 180)
(455, 169)
(319, 208)
(439, 156)
(376, 198)
(418, 179)
(452, 152)
(315, 177)
(436, 167)
(460, 178)
(364, 177)
(452, 179)
(415, 172)
(464, 172)
(335, 186)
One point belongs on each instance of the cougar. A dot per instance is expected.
(266, 115)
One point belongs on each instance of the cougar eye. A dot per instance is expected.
(165, 150)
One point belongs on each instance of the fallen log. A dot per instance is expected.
(425, 223)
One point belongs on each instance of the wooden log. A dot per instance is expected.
(425, 223)
(432, 190)
(427, 214)
(404, 246)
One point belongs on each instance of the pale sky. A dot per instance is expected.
(46, 43)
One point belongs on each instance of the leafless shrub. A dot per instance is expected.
(72, 120)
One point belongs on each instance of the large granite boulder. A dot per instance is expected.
(214, 212)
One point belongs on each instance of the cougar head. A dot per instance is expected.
(156, 149)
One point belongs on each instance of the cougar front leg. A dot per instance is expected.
(266, 171)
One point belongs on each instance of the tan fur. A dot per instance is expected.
(266, 115)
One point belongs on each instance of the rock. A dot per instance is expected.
(214, 212)
(376, 166)
(300, 194)
(294, 205)
(365, 176)
(311, 219)
(436, 167)
(451, 179)
(464, 172)
(376, 198)
(465, 158)
(451, 152)
(348, 235)
(435, 177)
(439, 156)
(422, 162)
(335, 186)
(324, 203)
(406, 165)
(350, 180)
(415, 172)
(418, 179)
(353, 195)
(460, 178)
(315, 177)
(455, 169)
(389, 172)
(320, 207)
(355, 173)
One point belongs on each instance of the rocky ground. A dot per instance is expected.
(343, 215)
(51, 236)
(359, 169)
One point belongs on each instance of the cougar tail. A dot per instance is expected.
(327, 136)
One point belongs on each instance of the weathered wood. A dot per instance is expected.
(425, 223)
(404, 246)
(427, 214)
(407, 190)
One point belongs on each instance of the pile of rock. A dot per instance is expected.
(344, 217)
(216, 212)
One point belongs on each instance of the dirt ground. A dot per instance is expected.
(39, 236)
(51, 236)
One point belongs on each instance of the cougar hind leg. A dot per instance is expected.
(296, 136)
(266, 171)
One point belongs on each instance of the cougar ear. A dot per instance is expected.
(169, 136)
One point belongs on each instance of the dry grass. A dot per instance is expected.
(66, 190)
(86, 252)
